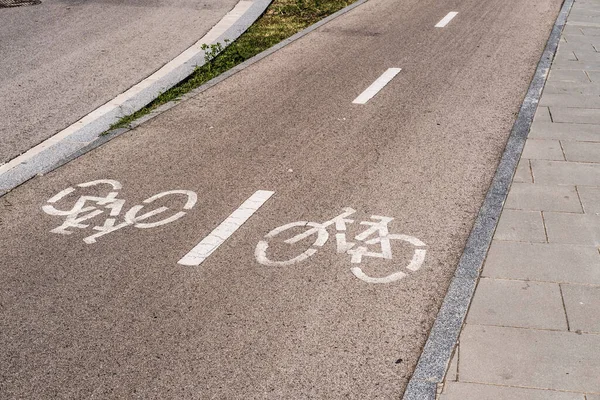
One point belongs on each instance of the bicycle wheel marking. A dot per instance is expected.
(88, 207)
(375, 234)
(222, 232)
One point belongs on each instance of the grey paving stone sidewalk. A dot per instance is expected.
(533, 329)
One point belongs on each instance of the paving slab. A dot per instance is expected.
(542, 114)
(574, 63)
(543, 262)
(572, 30)
(525, 196)
(475, 391)
(521, 226)
(452, 373)
(582, 151)
(590, 31)
(590, 25)
(583, 307)
(541, 149)
(530, 358)
(585, 7)
(573, 228)
(567, 75)
(586, 56)
(548, 130)
(594, 75)
(523, 172)
(517, 303)
(590, 88)
(584, 46)
(576, 115)
(584, 12)
(565, 56)
(570, 100)
(581, 39)
(565, 173)
(590, 198)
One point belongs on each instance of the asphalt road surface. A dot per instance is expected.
(62, 59)
(102, 314)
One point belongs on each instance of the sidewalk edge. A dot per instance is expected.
(434, 360)
(100, 140)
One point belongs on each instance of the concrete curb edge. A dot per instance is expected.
(438, 350)
(88, 129)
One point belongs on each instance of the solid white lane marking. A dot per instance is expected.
(222, 232)
(376, 86)
(446, 20)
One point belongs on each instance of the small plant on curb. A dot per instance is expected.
(212, 51)
(282, 19)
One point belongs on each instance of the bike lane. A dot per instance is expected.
(121, 318)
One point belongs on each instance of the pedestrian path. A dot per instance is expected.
(533, 328)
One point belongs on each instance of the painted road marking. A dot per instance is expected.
(446, 20)
(376, 234)
(376, 86)
(89, 207)
(222, 232)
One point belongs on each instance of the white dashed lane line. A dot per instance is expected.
(376, 86)
(446, 20)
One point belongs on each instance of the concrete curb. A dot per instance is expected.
(438, 350)
(8, 182)
(87, 130)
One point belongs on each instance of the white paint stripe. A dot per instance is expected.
(221, 27)
(222, 232)
(376, 86)
(446, 19)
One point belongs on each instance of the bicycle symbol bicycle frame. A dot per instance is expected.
(377, 227)
(81, 211)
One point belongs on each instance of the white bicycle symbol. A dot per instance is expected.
(82, 210)
(378, 227)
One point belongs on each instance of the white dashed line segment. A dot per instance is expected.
(376, 86)
(446, 20)
(222, 232)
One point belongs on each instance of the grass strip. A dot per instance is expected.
(282, 19)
